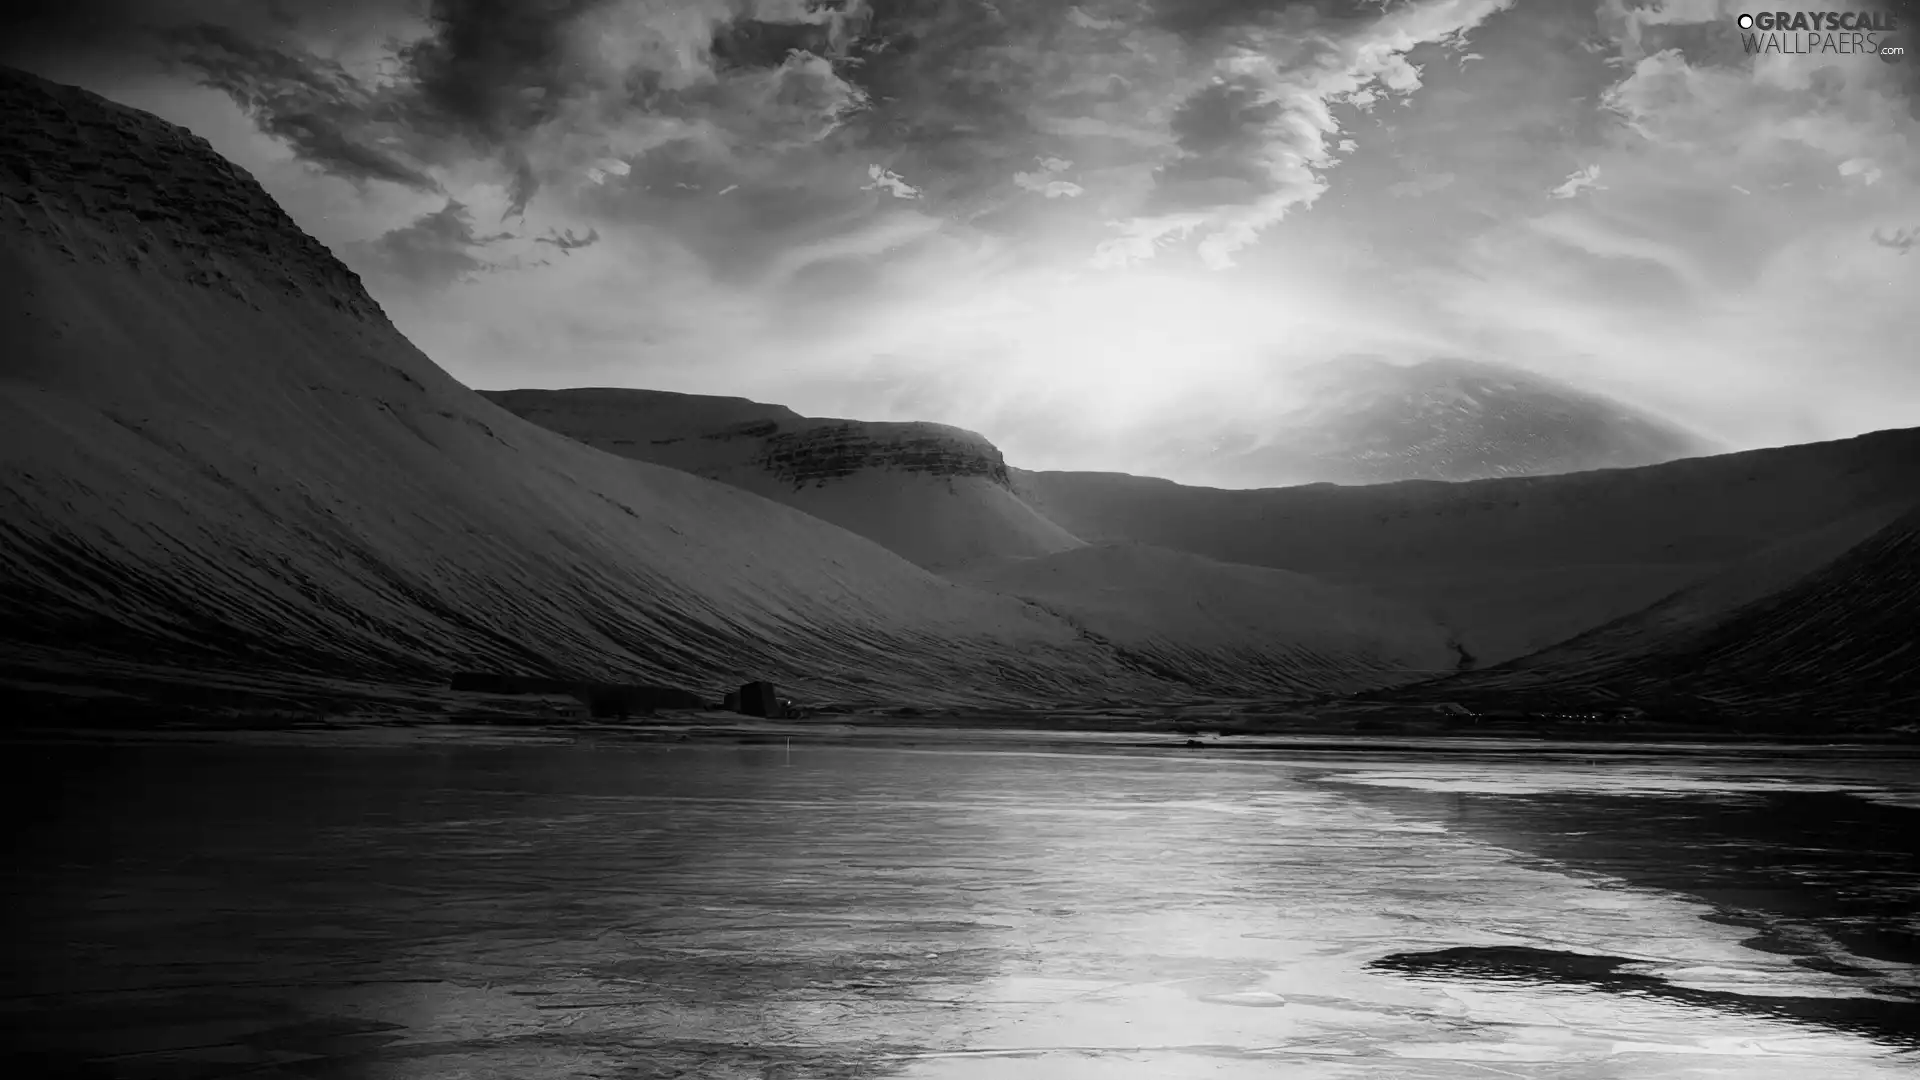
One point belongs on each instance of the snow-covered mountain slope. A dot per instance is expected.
(1512, 565)
(1835, 644)
(1191, 617)
(937, 495)
(217, 454)
(1359, 420)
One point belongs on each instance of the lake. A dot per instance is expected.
(753, 911)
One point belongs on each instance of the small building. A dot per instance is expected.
(1453, 709)
(759, 699)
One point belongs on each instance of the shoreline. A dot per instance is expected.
(1116, 735)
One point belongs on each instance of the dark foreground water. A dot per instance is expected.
(736, 912)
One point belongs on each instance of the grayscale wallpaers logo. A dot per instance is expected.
(1823, 33)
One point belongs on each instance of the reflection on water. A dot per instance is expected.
(197, 911)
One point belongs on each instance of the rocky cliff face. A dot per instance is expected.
(713, 436)
(159, 198)
(937, 495)
(837, 449)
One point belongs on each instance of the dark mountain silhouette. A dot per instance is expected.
(1836, 646)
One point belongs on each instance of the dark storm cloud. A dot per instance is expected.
(494, 67)
(1900, 240)
(953, 81)
(567, 242)
(494, 79)
(129, 30)
(325, 115)
(437, 249)
(1223, 133)
(491, 71)
(1202, 19)
(751, 43)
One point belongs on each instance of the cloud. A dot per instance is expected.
(435, 250)
(1045, 181)
(567, 242)
(324, 114)
(1577, 182)
(1900, 240)
(573, 87)
(1719, 272)
(758, 196)
(1254, 143)
(1425, 184)
(883, 179)
(1864, 168)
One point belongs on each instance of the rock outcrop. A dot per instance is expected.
(937, 495)
(834, 450)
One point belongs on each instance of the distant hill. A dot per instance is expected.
(944, 498)
(1365, 421)
(1834, 644)
(1214, 623)
(1511, 565)
(936, 495)
(219, 461)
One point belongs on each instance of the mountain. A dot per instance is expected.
(1191, 618)
(218, 456)
(1833, 645)
(1360, 420)
(943, 498)
(937, 495)
(222, 468)
(1513, 565)
(1498, 569)
(221, 465)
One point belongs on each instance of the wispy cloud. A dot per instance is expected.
(1900, 240)
(436, 249)
(795, 197)
(1255, 142)
(1045, 180)
(567, 242)
(881, 178)
(1577, 182)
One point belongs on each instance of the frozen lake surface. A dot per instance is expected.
(724, 912)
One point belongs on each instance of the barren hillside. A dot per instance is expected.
(1836, 643)
(935, 494)
(217, 454)
(1513, 565)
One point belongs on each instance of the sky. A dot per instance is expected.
(1074, 226)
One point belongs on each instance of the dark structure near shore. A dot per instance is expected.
(759, 699)
(602, 699)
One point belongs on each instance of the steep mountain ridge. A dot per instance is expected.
(217, 455)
